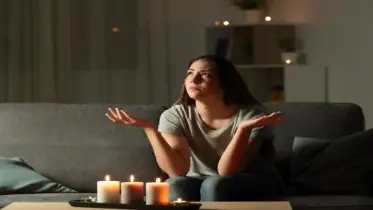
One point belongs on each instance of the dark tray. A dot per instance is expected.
(171, 206)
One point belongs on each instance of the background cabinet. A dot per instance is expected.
(249, 44)
(306, 83)
(255, 51)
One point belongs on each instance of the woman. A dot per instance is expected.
(215, 143)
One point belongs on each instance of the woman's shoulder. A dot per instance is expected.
(251, 111)
(178, 110)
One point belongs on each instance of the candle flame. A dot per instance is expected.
(158, 180)
(179, 200)
(132, 178)
(107, 178)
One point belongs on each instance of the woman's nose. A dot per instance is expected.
(197, 79)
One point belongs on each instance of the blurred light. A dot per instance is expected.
(268, 18)
(217, 23)
(226, 23)
(115, 29)
(288, 61)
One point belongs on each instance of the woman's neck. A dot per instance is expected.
(215, 111)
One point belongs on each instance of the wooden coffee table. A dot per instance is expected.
(205, 205)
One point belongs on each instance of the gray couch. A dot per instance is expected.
(76, 145)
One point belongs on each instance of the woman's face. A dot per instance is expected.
(202, 82)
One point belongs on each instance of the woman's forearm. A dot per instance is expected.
(167, 158)
(232, 161)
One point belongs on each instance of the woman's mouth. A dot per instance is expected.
(194, 88)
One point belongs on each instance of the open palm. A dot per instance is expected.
(272, 119)
(119, 116)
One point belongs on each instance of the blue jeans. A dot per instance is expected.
(241, 187)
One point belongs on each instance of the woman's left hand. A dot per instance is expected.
(272, 119)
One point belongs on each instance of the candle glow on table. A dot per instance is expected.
(108, 191)
(157, 193)
(132, 192)
(179, 201)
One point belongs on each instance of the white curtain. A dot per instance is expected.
(71, 51)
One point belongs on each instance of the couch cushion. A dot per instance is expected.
(76, 145)
(316, 120)
(305, 151)
(44, 197)
(344, 166)
(16, 176)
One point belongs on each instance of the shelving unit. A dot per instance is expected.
(255, 51)
(262, 81)
(249, 44)
(307, 83)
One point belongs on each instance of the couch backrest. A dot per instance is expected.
(77, 145)
(319, 120)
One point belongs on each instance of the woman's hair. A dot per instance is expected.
(234, 88)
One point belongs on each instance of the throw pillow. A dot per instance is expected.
(337, 166)
(16, 176)
(305, 150)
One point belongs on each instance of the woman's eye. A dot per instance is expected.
(206, 74)
(189, 73)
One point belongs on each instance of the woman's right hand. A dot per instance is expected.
(117, 115)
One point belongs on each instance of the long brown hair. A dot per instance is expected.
(234, 88)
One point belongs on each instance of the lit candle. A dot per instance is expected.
(132, 192)
(108, 191)
(157, 193)
(179, 201)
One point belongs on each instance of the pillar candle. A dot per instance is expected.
(108, 191)
(132, 192)
(157, 193)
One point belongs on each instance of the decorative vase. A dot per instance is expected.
(289, 57)
(253, 16)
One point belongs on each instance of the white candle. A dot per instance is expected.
(108, 191)
(157, 193)
(132, 192)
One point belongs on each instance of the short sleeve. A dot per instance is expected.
(262, 132)
(170, 122)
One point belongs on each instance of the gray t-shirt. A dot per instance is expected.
(207, 145)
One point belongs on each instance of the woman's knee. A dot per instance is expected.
(178, 181)
(215, 188)
(213, 183)
(181, 185)
(186, 188)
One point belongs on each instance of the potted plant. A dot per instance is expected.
(288, 49)
(253, 9)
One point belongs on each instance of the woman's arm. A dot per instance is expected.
(238, 153)
(171, 151)
(242, 148)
